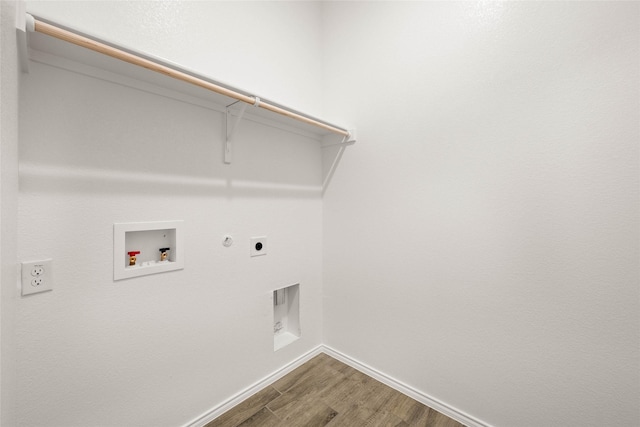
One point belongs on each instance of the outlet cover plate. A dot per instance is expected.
(37, 276)
(258, 246)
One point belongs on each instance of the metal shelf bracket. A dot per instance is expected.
(231, 122)
(24, 24)
(349, 139)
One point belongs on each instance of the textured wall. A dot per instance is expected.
(481, 239)
(269, 48)
(160, 349)
(8, 207)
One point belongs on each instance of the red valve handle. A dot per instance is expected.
(133, 253)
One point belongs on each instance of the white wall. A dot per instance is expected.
(269, 48)
(480, 241)
(481, 238)
(163, 349)
(8, 207)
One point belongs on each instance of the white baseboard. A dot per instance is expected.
(220, 409)
(421, 397)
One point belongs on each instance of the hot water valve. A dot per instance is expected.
(132, 257)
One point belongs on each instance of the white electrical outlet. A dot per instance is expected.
(37, 276)
(258, 246)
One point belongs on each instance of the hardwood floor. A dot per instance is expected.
(326, 392)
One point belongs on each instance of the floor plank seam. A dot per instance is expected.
(327, 392)
(267, 408)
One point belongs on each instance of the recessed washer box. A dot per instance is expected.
(286, 316)
(138, 248)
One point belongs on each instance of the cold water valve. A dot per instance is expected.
(163, 254)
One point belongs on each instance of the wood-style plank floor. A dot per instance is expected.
(326, 392)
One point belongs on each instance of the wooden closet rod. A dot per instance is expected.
(71, 37)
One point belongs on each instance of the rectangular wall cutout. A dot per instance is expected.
(286, 316)
(141, 248)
